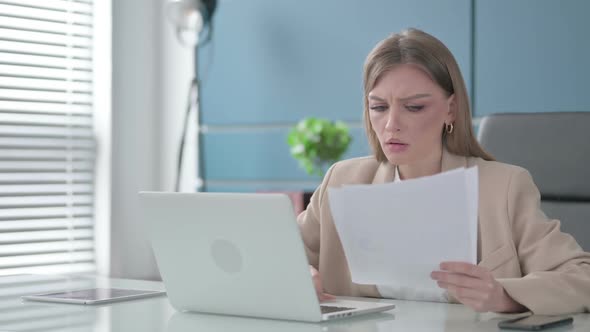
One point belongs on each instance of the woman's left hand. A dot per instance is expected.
(475, 287)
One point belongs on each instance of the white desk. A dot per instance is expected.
(156, 314)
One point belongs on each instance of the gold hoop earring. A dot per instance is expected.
(449, 128)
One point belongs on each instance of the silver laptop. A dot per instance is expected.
(237, 254)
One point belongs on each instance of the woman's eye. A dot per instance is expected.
(378, 108)
(414, 108)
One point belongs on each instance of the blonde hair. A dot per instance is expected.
(414, 46)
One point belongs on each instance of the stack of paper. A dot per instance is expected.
(398, 233)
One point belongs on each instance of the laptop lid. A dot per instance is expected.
(230, 253)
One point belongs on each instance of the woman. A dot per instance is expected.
(418, 122)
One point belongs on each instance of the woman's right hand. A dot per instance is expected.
(317, 282)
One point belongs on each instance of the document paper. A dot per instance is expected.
(398, 233)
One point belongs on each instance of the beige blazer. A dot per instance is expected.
(538, 265)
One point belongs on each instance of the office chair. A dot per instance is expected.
(555, 149)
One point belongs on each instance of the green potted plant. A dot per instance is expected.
(317, 143)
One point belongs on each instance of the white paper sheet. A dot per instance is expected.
(398, 233)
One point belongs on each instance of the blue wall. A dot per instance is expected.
(532, 56)
(273, 62)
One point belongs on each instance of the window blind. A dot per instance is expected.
(47, 149)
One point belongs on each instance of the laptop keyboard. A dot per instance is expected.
(326, 309)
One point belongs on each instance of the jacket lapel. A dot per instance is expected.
(451, 161)
(386, 171)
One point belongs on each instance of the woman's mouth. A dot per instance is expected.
(396, 146)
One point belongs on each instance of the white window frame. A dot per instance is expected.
(103, 130)
(100, 98)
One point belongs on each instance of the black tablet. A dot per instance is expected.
(93, 295)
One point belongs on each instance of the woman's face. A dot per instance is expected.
(408, 111)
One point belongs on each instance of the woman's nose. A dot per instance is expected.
(393, 119)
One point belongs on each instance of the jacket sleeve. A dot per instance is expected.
(556, 271)
(309, 222)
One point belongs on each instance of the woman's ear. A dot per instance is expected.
(452, 104)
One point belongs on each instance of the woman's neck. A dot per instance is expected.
(429, 165)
